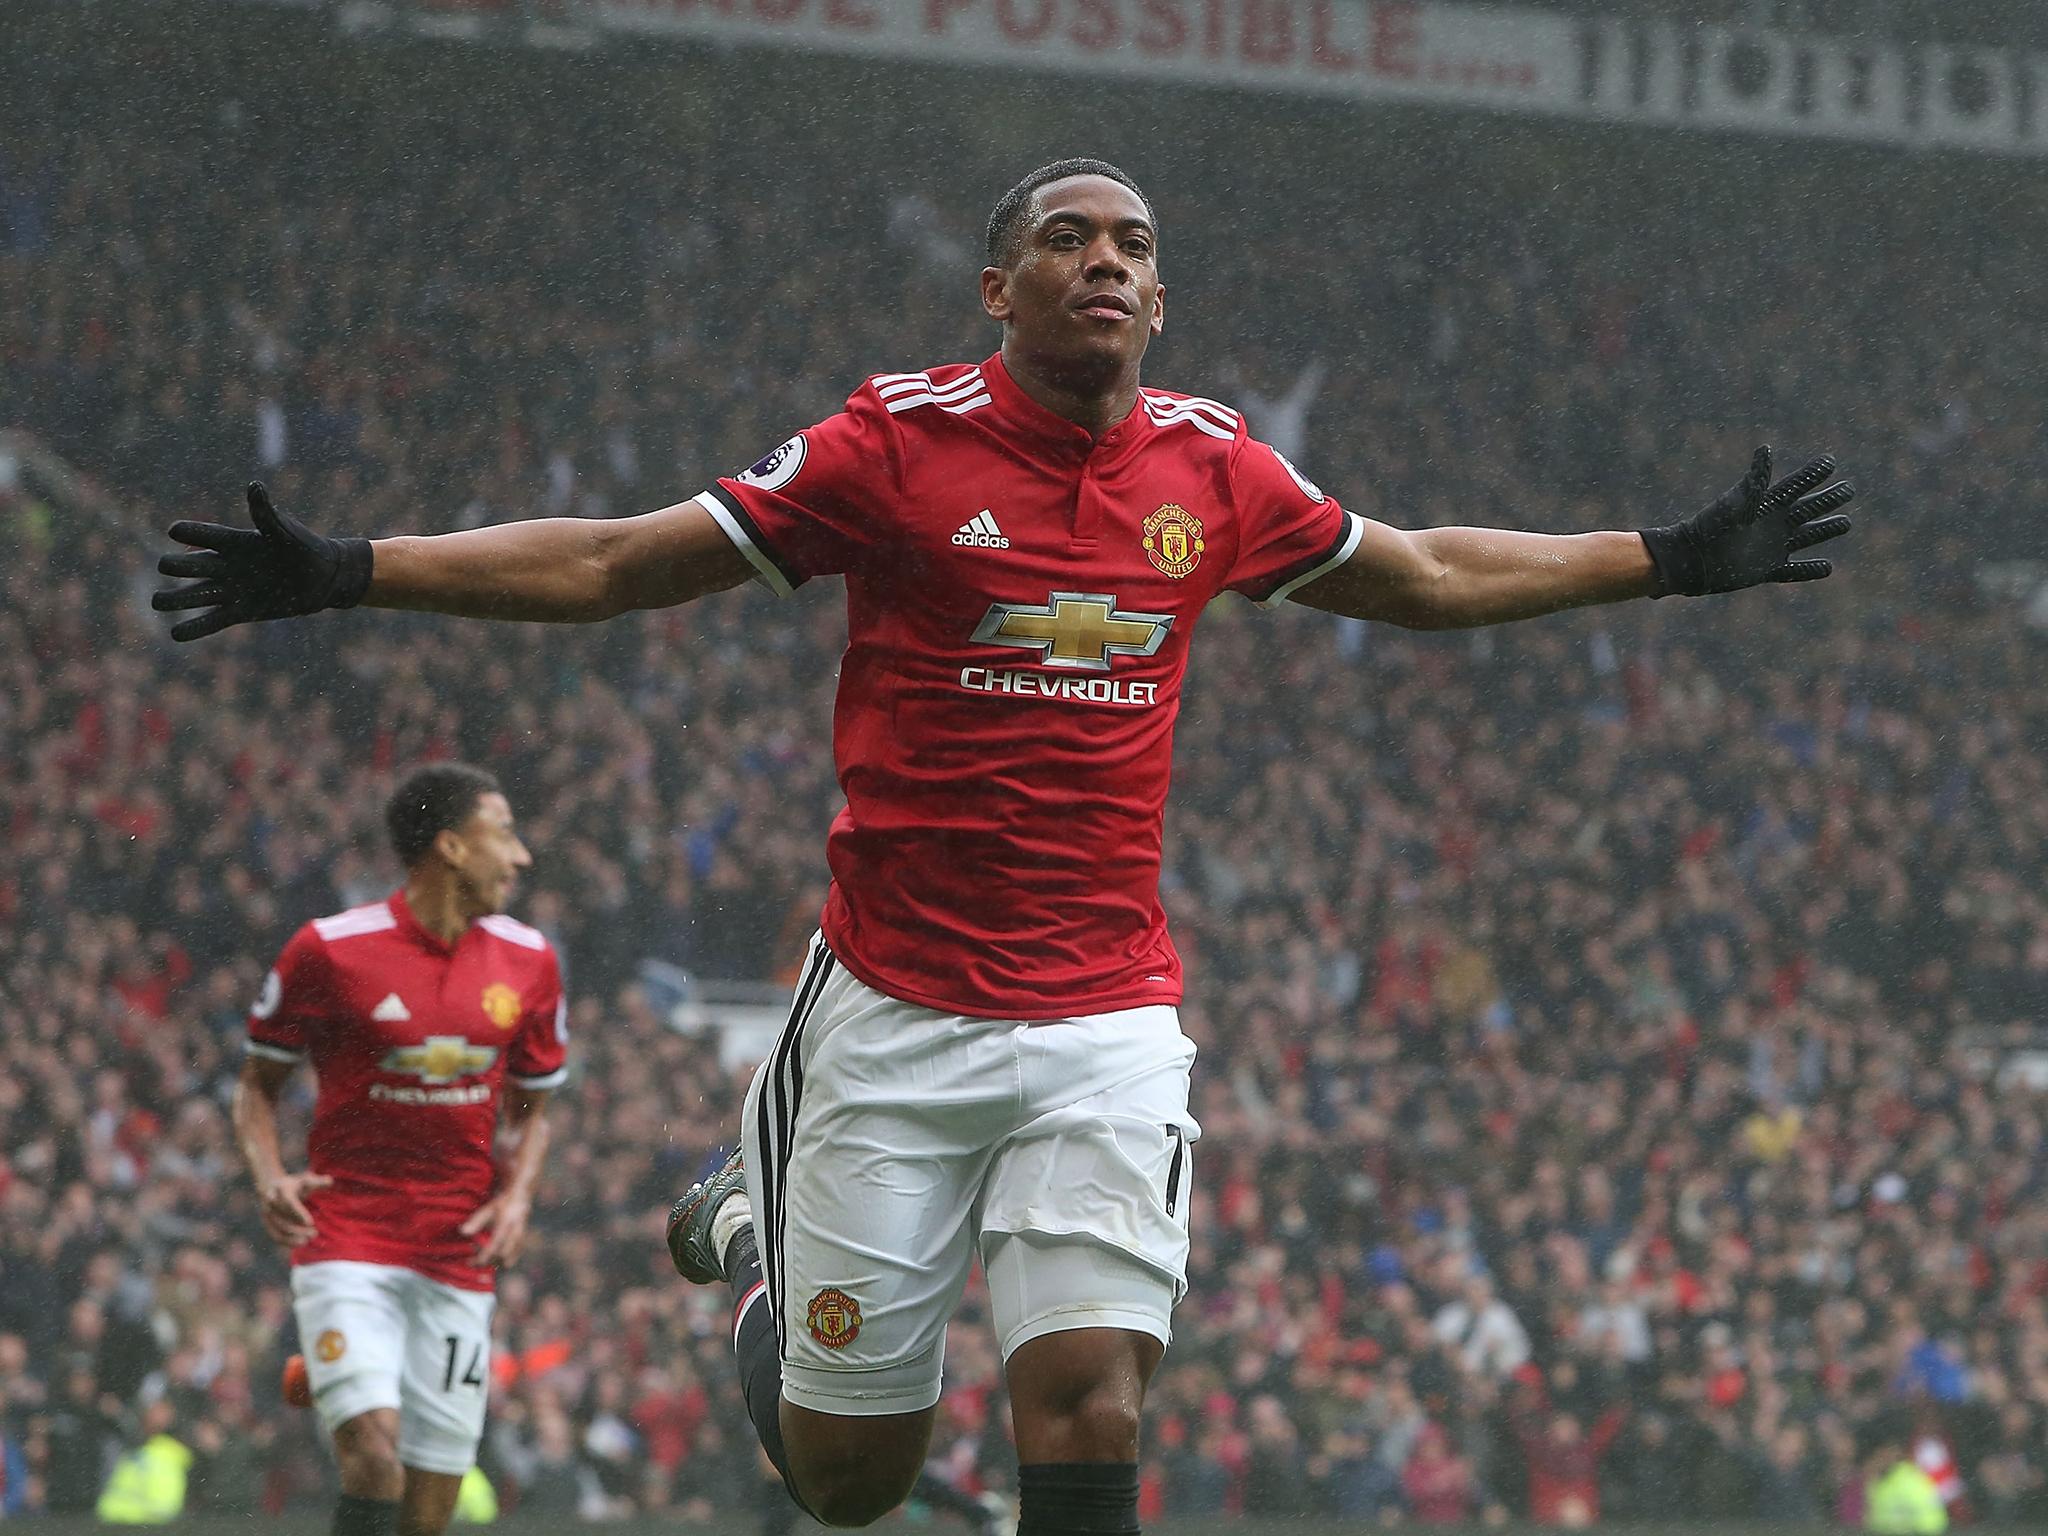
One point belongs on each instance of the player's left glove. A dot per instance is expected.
(1749, 534)
(278, 569)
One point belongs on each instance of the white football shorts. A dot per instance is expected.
(887, 1142)
(380, 1336)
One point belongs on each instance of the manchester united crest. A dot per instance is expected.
(330, 1346)
(833, 1318)
(1173, 540)
(501, 1005)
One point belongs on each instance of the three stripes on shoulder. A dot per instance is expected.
(1192, 410)
(901, 391)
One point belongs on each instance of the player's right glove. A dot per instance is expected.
(1749, 534)
(276, 570)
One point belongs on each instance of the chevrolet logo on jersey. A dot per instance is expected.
(1077, 630)
(440, 1059)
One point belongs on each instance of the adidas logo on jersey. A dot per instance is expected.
(392, 1010)
(981, 532)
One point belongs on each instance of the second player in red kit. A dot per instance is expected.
(411, 1040)
(426, 1017)
(984, 1057)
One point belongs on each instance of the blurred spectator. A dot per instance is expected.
(148, 1483)
(1436, 1485)
(79, 1442)
(1899, 1498)
(18, 1489)
(1484, 1330)
(1563, 1457)
(1274, 1484)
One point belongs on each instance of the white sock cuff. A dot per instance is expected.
(733, 1213)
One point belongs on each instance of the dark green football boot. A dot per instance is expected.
(689, 1223)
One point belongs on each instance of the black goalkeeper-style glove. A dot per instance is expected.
(1748, 536)
(276, 570)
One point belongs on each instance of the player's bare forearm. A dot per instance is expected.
(499, 1224)
(559, 570)
(1493, 575)
(1462, 578)
(255, 1118)
(526, 1118)
(280, 1196)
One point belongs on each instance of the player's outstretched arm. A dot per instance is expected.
(551, 570)
(1457, 578)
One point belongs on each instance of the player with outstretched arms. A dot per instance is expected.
(419, 1015)
(984, 1054)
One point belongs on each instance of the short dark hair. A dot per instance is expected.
(1005, 220)
(432, 799)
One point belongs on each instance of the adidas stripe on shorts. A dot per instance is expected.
(888, 1143)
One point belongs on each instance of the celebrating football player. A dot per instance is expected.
(985, 1056)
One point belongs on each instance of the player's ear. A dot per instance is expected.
(995, 293)
(449, 845)
(1159, 309)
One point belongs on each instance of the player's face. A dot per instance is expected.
(489, 855)
(1084, 294)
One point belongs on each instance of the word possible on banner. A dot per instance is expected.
(1743, 79)
(1333, 47)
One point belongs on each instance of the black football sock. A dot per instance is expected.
(937, 1493)
(355, 1515)
(753, 1341)
(1078, 1498)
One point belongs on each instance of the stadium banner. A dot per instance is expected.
(1386, 51)
(1741, 79)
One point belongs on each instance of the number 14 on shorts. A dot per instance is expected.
(471, 1355)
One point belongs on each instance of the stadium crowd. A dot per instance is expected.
(1611, 1027)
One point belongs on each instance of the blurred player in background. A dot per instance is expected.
(985, 1055)
(416, 1013)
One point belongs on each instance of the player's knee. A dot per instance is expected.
(1077, 1395)
(850, 1496)
(369, 1442)
(851, 1486)
(1094, 1421)
(372, 1468)
(851, 1471)
(1103, 1424)
(367, 1448)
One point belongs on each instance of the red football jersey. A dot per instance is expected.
(1020, 598)
(410, 1040)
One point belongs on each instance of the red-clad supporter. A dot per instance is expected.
(1563, 1457)
(1437, 1485)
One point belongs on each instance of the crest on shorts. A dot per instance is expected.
(833, 1318)
(501, 1005)
(330, 1346)
(1173, 540)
